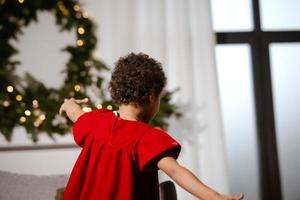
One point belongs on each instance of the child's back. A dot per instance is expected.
(115, 162)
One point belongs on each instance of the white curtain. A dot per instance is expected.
(179, 34)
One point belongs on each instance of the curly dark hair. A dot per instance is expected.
(134, 77)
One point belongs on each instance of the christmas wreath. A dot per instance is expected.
(27, 102)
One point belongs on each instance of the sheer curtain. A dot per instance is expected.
(179, 34)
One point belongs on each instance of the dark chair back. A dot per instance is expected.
(167, 191)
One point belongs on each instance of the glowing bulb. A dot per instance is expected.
(22, 119)
(35, 103)
(77, 88)
(36, 123)
(10, 88)
(5, 103)
(19, 97)
(76, 7)
(27, 112)
(109, 107)
(79, 42)
(86, 109)
(21, 1)
(81, 30)
(85, 15)
(99, 106)
(42, 117)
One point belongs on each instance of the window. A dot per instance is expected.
(267, 33)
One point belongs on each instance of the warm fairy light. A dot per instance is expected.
(19, 97)
(10, 88)
(42, 117)
(2, 2)
(81, 30)
(86, 109)
(5, 103)
(22, 119)
(79, 42)
(85, 15)
(35, 103)
(77, 88)
(21, 1)
(76, 7)
(37, 123)
(87, 63)
(109, 107)
(99, 106)
(27, 112)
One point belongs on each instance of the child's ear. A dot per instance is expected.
(152, 96)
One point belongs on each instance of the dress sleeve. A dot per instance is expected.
(155, 145)
(83, 126)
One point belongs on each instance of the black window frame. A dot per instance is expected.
(259, 41)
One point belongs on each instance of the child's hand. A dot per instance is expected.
(229, 197)
(70, 104)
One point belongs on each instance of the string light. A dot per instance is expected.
(10, 88)
(76, 7)
(22, 119)
(99, 106)
(27, 112)
(42, 117)
(87, 63)
(2, 2)
(35, 103)
(85, 15)
(21, 1)
(5, 103)
(79, 42)
(19, 97)
(80, 30)
(77, 88)
(86, 109)
(109, 107)
(37, 123)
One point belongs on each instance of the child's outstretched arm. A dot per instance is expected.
(72, 109)
(188, 181)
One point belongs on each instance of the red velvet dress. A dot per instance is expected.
(118, 158)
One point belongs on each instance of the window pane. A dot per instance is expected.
(232, 15)
(280, 14)
(285, 67)
(238, 110)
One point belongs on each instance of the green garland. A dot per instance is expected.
(27, 102)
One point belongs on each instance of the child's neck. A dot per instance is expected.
(132, 113)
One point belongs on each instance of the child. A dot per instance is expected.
(121, 153)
